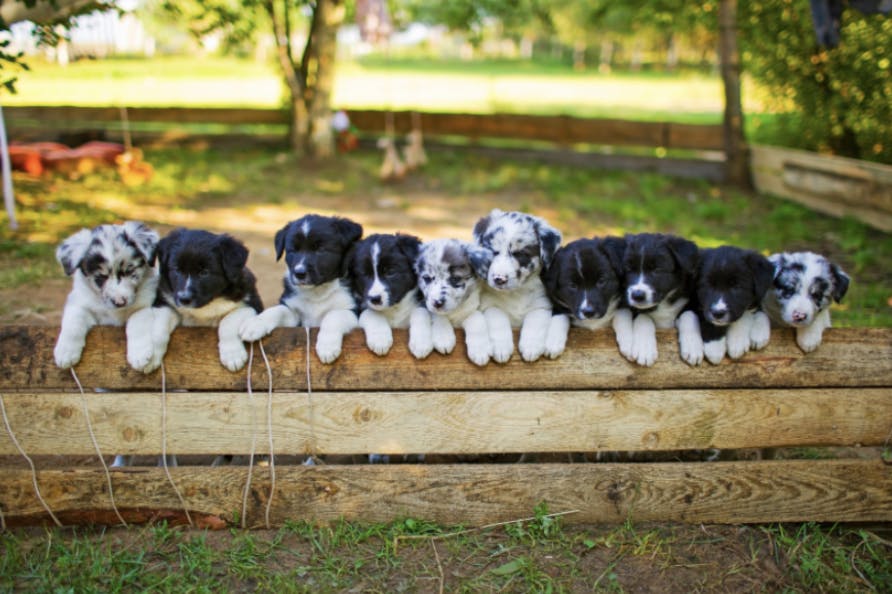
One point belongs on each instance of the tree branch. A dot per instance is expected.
(296, 84)
(46, 12)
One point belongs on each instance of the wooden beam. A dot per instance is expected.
(473, 495)
(848, 358)
(736, 155)
(449, 422)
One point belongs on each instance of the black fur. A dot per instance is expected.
(667, 264)
(584, 277)
(395, 268)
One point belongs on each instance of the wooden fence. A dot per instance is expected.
(589, 400)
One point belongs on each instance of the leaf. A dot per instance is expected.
(509, 567)
(589, 543)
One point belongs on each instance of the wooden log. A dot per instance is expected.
(848, 358)
(721, 492)
(449, 422)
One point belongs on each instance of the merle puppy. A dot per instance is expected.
(584, 283)
(114, 281)
(381, 268)
(204, 282)
(515, 248)
(451, 294)
(317, 291)
(804, 286)
(658, 280)
(725, 316)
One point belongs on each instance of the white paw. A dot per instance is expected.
(443, 337)
(531, 347)
(738, 343)
(503, 347)
(255, 328)
(328, 346)
(478, 351)
(808, 339)
(556, 339)
(67, 353)
(690, 348)
(379, 340)
(644, 351)
(140, 353)
(233, 355)
(760, 332)
(714, 351)
(420, 346)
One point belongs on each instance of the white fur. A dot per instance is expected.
(377, 324)
(644, 341)
(737, 337)
(690, 342)
(714, 350)
(760, 331)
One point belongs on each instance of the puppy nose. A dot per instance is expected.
(500, 280)
(439, 303)
(799, 316)
(637, 295)
(300, 273)
(587, 311)
(184, 297)
(718, 313)
(375, 300)
(119, 301)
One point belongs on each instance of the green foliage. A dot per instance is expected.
(843, 92)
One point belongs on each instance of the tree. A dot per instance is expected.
(308, 74)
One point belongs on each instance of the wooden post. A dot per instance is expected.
(736, 153)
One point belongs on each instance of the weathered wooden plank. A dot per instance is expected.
(721, 492)
(449, 422)
(855, 358)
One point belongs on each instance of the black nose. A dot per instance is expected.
(300, 273)
(587, 311)
(185, 297)
(719, 314)
(376, 300)
(637, 295)
(500, 280)
(439, 303)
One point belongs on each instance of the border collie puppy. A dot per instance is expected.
(114, 284)
(584, 283)
(804, 286)
(381, 268)
(658, 273)
(725, 315)
(204, 282)
(516, 247)
(451, 294)
(317, 292)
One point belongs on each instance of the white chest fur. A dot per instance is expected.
(312, 303)
(210, 314)
(666, 312)
(516, 304)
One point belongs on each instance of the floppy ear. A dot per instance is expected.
(614, 248)
(281, 235)
(778, 261)
(763, 273)
(686, 253)
(233, 256)
(549, 240)
(551, 273)
(409, 245)
(144, 238)
(347, 261)
(71, 251)
(840, 282)
(483, 224)
(165, 248)
(480, 259)
(349, 230)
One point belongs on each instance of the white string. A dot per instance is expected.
(253, 439)
(164, 444)
(312, 414)
(30, 463)
(269, 430)
(111, 491)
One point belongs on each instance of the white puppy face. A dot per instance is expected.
(112, 259)
(805, 284)
(445, 274)
(518, 245)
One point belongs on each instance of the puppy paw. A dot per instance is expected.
(808, 338)
(645, 352)
(140, 353)
(255, 328)
(502, 348)
(420, 347)
(760, 332)
(738, 343)
(714, 351)
(379, 340)
(233, 355)
(690, 347)
(67, 353)
(478, 352)
(328, 347)
(556, 339)
(443, 337)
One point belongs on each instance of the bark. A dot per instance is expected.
(736, 153)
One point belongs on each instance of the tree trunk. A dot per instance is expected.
(736, 153)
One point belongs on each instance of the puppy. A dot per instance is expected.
(114, 283)
(583, 282)
(725, 315)
(804, 285)
(516, 247)
(658, 281)
(317, 292)
(381, 269)
(204, 282)
(451, 294)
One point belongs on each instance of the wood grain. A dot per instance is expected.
(848, 358)
(721, 492)
(450, 422)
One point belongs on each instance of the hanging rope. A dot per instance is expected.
(111, 491)
(312, 416)
(253, 439)
(164, 444)
(269, 430)
(30, 463)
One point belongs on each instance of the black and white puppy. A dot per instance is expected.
(451, 294)
(516, 247)
(204, 282)
(317, 291)
(804, 286)
(725, 316)
(381, 268)
(114, 280)
(584, 283)
(658, 281)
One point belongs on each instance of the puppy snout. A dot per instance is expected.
(637, 295)
(185, 298)
(500, 280)
(119, 301)
(587, 311)
(799, 316)
(375, 299)
(300, 272)
(719, 313)
(439, 303)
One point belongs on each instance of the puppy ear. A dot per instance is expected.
(281, 235)
(233, 256)
(763, 273)
(483, 224)
(349, 230)
(144, 238)
(551, 273)
(614, 248)
(480, 259)
(165, 247)
(840, 282)
(71, 251)
(686, 253)
(409, 245)
(549, 240)
(778, 261)
(347, 262)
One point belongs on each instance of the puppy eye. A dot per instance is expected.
(455, 281)
(101, 278)
(204, 273)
